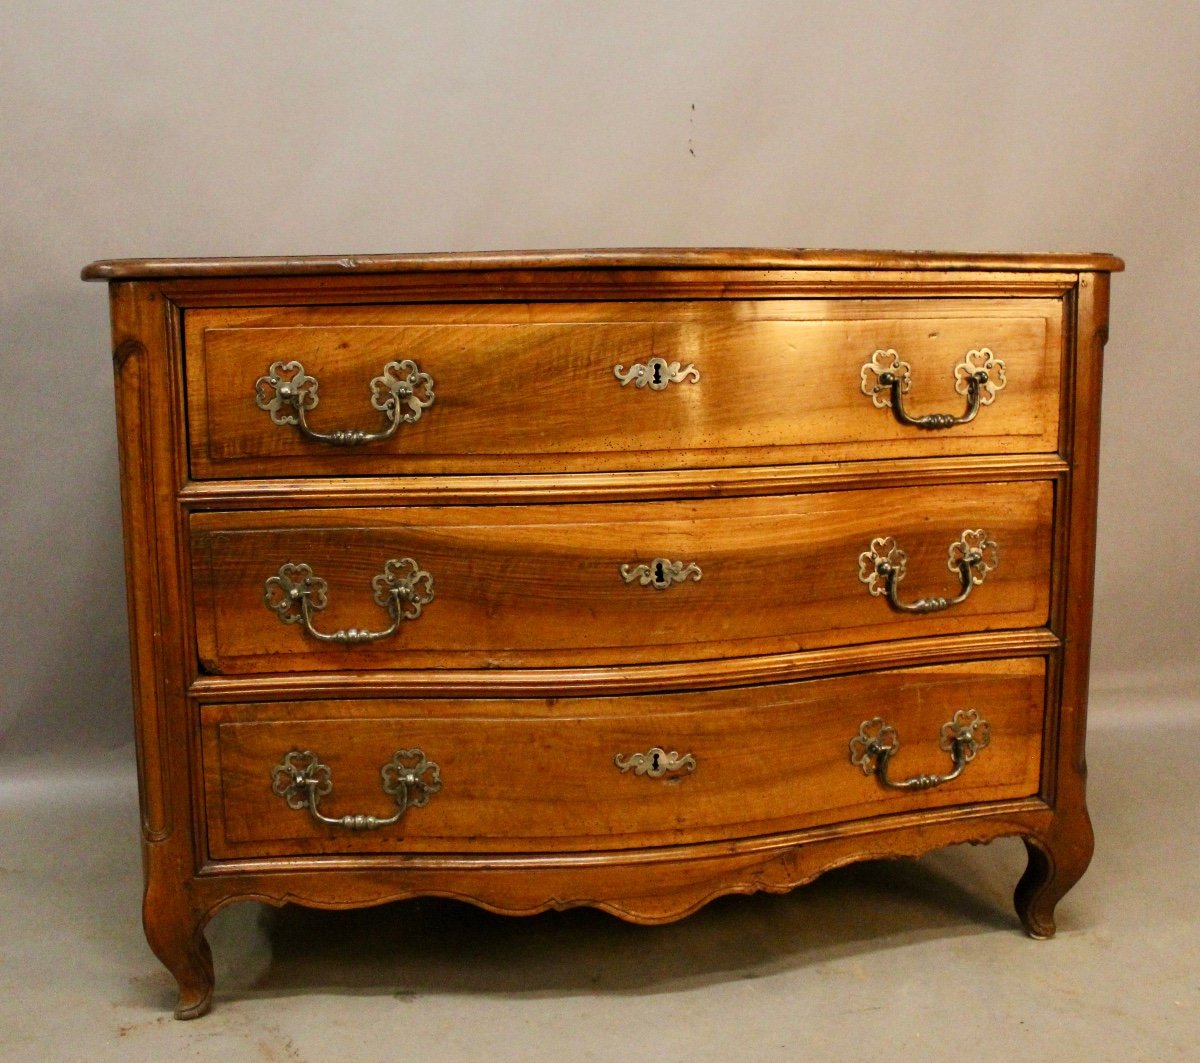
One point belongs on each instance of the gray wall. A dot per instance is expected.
(260, 128)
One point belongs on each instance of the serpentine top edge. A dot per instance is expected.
(725, 258)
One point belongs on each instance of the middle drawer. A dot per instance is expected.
(602, 584)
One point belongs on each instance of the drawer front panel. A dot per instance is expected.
(530, 586)
(530, 776)
(535, 388)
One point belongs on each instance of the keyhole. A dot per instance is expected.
(659, 575)
(654, 762)
(657, 373)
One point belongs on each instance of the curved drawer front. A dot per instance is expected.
(632, 386)
(530, 776)
(540, 586)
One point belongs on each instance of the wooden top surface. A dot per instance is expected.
(615, 258)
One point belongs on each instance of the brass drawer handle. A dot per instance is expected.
(876, 743)
(402, 588)
(401, 393)
(661, 573)
(885, 379)
(656, 763)
(302, 780)
(656, 374)
(884, 565)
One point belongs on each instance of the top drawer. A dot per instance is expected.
(562, 387)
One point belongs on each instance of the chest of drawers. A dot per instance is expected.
(617, 578)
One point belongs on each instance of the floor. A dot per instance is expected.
(914, 960)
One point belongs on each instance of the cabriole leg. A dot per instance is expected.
(1054, 867)
(176, 935)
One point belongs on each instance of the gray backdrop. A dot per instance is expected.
(263, 128)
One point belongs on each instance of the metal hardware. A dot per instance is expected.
(979, 376)
(661, 573)
(302, 780)
(876, 743)
(401, 393)
(656, 374)
(884, 565)
(402, 588)
(655, 763)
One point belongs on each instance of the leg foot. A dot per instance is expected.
(1034, 904)
(176, 935)
(195, 984)
(1054, 867)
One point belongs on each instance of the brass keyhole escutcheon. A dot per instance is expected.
(656, 763)
(656, 373)
(661, 573)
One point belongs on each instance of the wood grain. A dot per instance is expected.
(772, 662)
(532, 387)
(296, 492)
(501, 286)
(627, 679)
(1059, 854)
(542, 586)
(539, 776)
(151, 430)
(616, 258)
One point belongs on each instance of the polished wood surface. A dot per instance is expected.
(530, 388)
(295, 492)
(1060, 852)
(614, 258)
(577, 681)
(767, 759)
(765, 682)
(777, 575)
(629, 284)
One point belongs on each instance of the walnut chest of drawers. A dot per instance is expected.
(619, 578)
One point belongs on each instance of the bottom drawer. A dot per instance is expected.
(546, 775)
